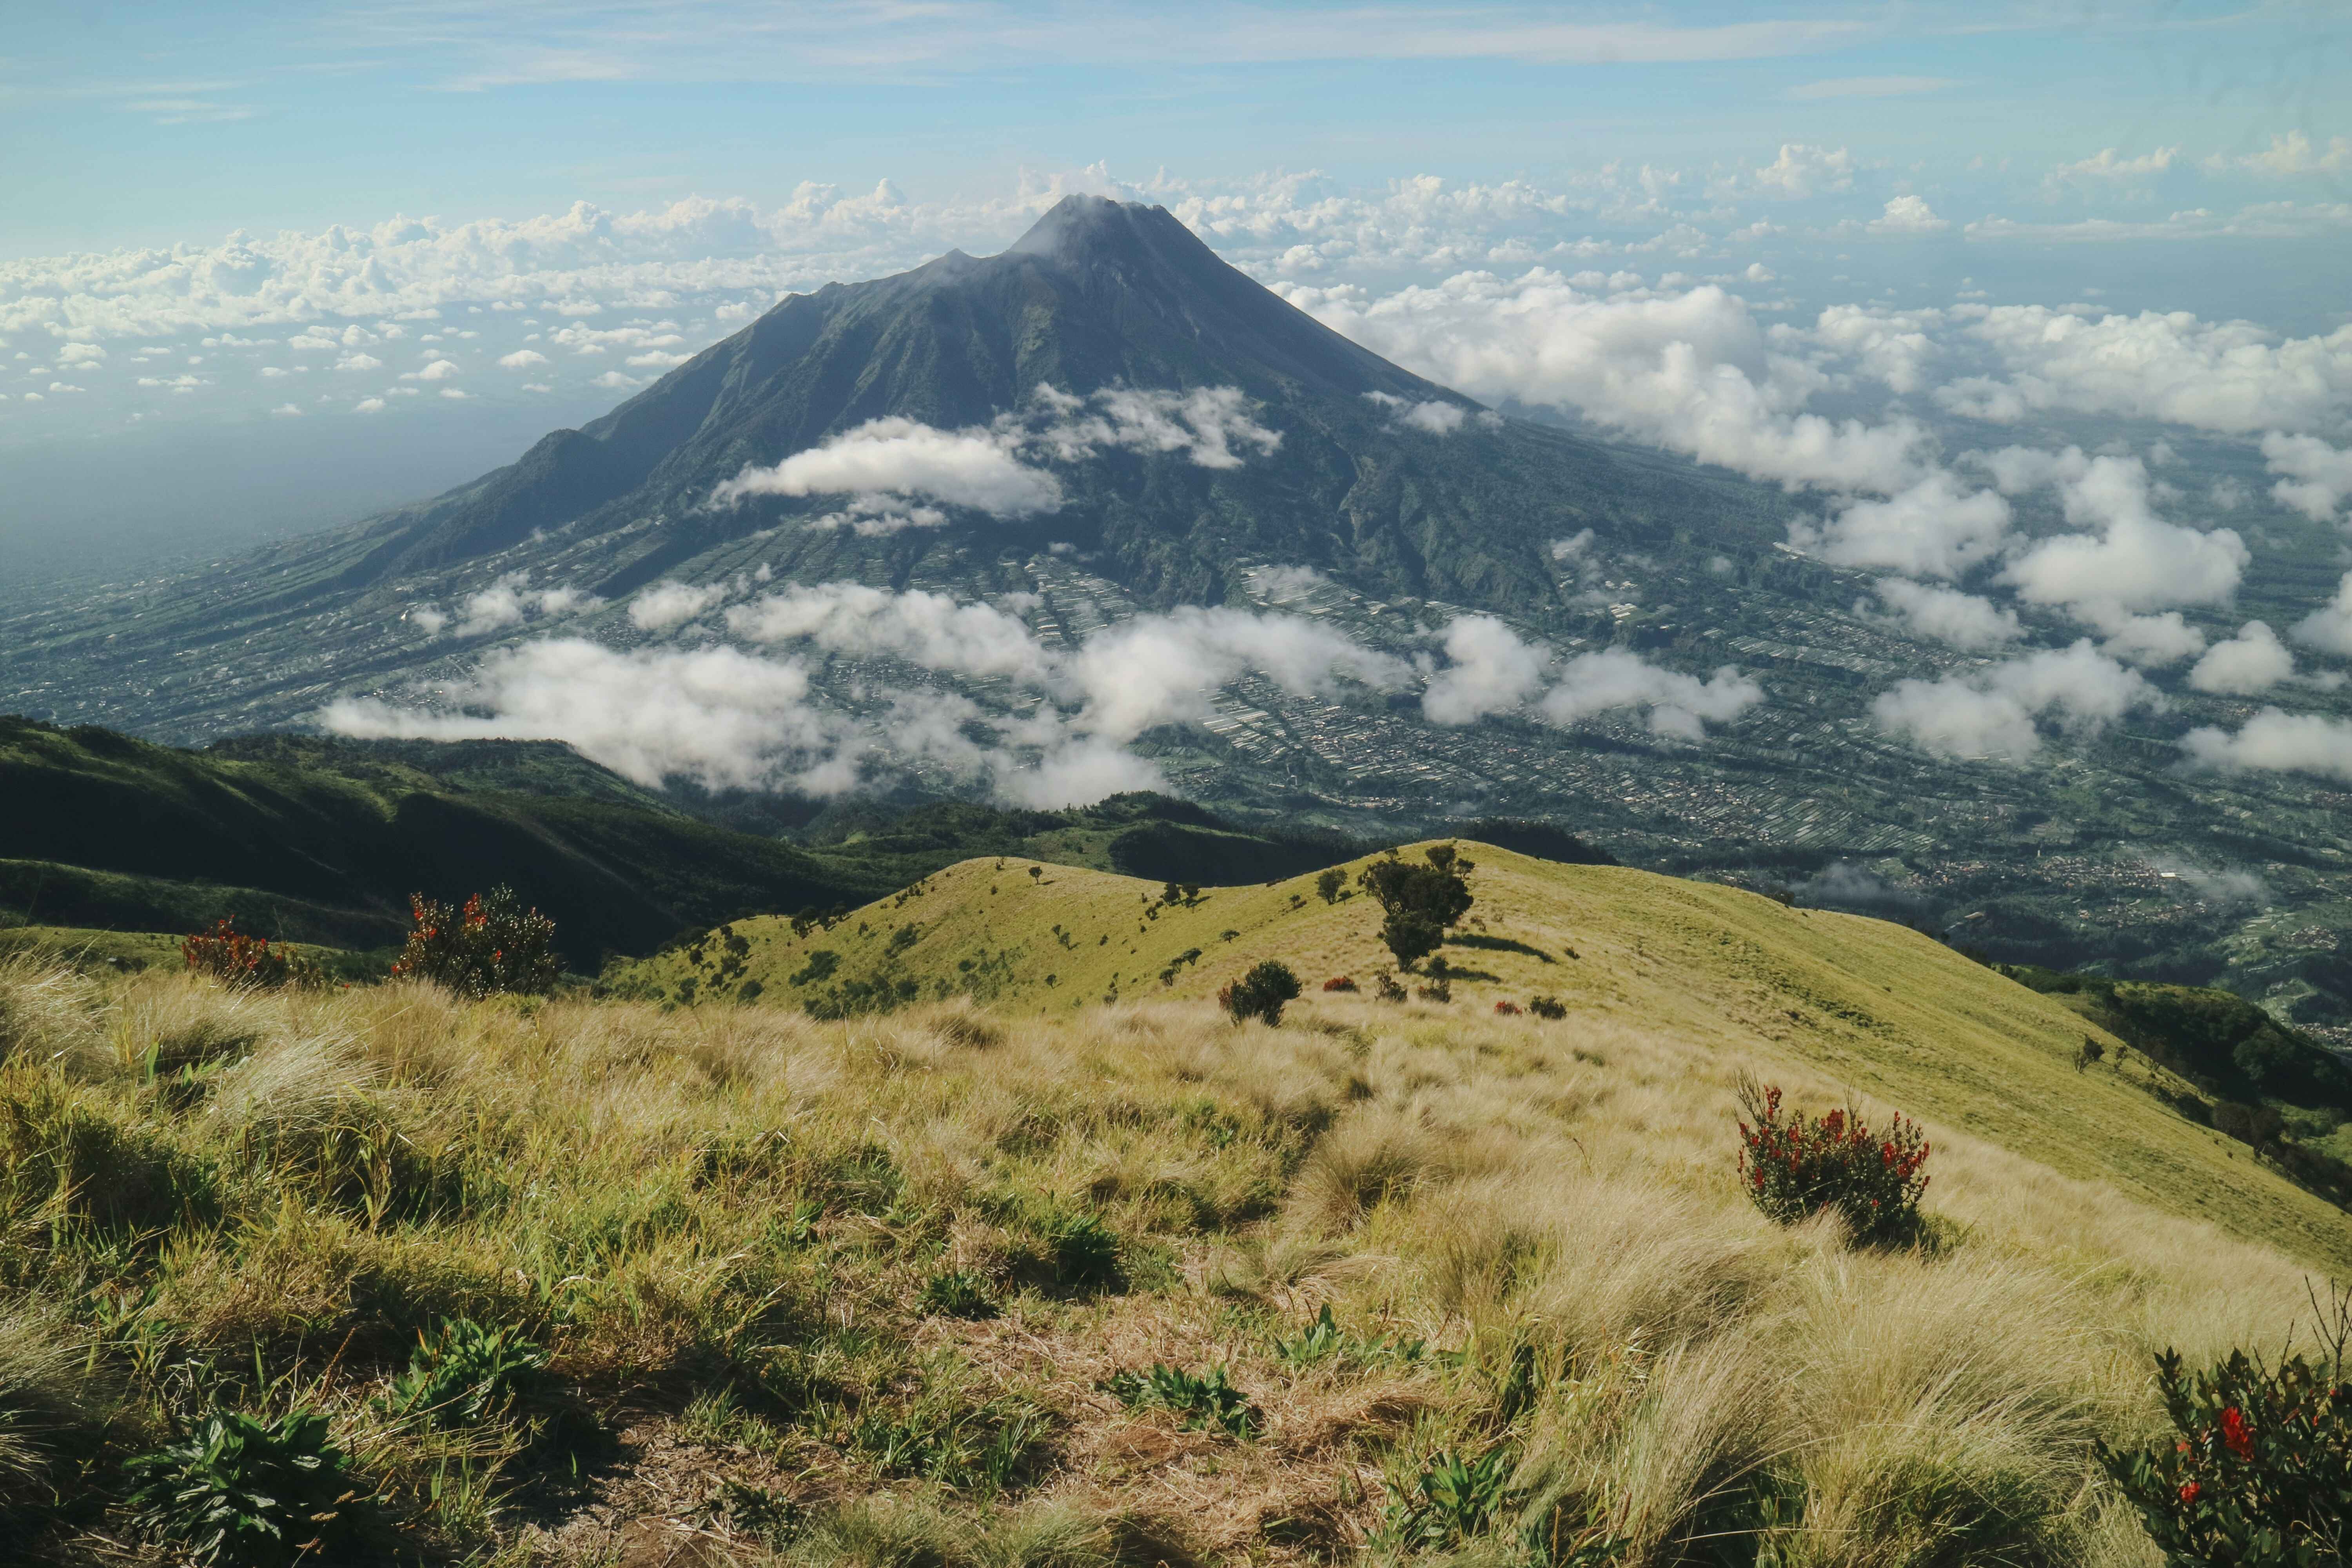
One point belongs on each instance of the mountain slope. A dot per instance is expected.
(1859, 1002)
(309, 841)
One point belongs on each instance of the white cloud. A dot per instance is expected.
(358, 362)
(1693, 372)
(666, 603)
(1437, 418)
(981, 468)
(522, 359)
(1162, 668)
(508, 603)
(2136, 562)
(2247, 665)
(2318, 476)
(438, 370)
(2293, 153)
(1963, 620)
(1680, 706)
(1488, 670)
(2229, 376)
(1801, 170)
(2274, 740)
(2329, 627)
(368, 405)
(2105, 167)
(288, 410)
(1992, 713)
(1908, 215)
(1933, 528)
(924, 628)
(617, 381)
(906, 458)
(721, 717)
(80, 354)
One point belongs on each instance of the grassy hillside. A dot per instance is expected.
(316, 841)
(860, 1294)
(1865, 1003)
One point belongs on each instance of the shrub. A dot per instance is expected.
(1794, 1166)
(1507, 1009)
(1328, 884)
(1438, 990)
(1550, 1007)
(1207, 1401)
(247, 962)
(250, 1493)
(1260, 993)
(1418, 902)
(489, 945)
(1339, 983)
(2259, 1472)
(957, 1293)
(467, 1373)
(1388, 987)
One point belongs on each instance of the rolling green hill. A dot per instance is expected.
(1894, 1014)
(320, 842)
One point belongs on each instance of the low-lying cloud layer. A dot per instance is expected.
(755, 716)
(889, 467)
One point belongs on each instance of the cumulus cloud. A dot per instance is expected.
(668, 604)
(1963, 620)
(721, 717)
(2319, 477)
(1908, 215)
(2274, 741)
(1488, 670)
(1162, 668)
(890, 465)
(922, 628)
(2107, 167)
(1932, 529)
(1801, 170)
(1694, 370)
(2247, 665)
(507, 602)
(2229, 376)
(438, 370)
(2293, 153)
(522, 359)
(1678, 706)
(2329, 627)
(2136, 562)
(1437, 418)
(1992, 713)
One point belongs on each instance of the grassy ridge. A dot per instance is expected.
(830, 1295)
(1875, 1005)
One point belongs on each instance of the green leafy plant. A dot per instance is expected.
(489, 944)
(1455, 1499)
(1328, 884)
(467, 1375)
(1794, 1166)
(245, 1493)
(1261, 994)
(1418, 901)
(1207, 1401)
(957, 1293)
(2258, 1471)
(1318, 1340)
(1086, 1254)
(1549, 1007)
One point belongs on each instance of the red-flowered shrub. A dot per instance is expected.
(1339, 983)
(490, 945)
(1508, 1009)
(2258, 1473)
(1794, 1166)
(249, 963)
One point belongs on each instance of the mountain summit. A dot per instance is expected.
(1098, 295)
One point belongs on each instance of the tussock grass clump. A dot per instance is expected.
(877, 1291)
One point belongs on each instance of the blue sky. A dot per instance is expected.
(272, 266)
(147, 124)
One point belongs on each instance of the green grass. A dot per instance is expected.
(1866, 1003)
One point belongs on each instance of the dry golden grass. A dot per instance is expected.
(722, 1222)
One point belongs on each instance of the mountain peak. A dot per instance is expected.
(1084, 229)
